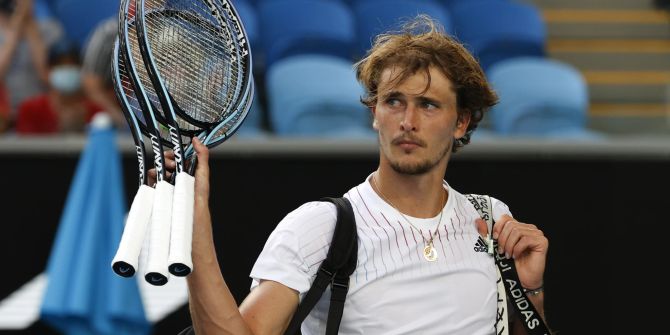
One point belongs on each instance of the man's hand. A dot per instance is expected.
(169, 165)
(523, 242)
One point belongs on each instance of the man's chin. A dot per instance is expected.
(412, 168)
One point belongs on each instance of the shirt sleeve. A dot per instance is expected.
(499, 209)
(295, 248)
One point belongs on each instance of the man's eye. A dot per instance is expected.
(429, 105)
(393, 102)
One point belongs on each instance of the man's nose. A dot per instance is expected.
(410, 121)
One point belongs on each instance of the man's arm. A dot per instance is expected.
(528, 246)
(268, 308)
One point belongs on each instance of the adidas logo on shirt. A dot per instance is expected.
(480, 245)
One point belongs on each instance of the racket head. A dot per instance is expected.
(145, 107)
(201, 57)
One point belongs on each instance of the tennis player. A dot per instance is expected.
(422, 268)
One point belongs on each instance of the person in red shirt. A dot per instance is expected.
(64, 108)
(4, 108)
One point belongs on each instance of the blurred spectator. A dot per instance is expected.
(64, 108)
(96, 70)
(23, 69)
(4, 109)
(11, 28)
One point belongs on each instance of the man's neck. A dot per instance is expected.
(421, 196)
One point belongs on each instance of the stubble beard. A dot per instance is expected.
(421, 167)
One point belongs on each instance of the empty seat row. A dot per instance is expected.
(297, 44)
(491, 29)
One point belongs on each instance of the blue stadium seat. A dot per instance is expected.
(249, 18)
(42, 10)
(495, 30)
(290, 27)
(540, 97)
(317, 96)
(79, 17)
(253, 123)
(376, 16)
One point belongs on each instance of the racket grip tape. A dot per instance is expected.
(159, 235)
(180, 262)
(126, 260)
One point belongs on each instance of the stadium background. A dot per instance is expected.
(602, 203)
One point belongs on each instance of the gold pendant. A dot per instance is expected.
(429, 253)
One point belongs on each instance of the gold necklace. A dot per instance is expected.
(429, 252)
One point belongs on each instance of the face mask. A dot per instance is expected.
(65, 79)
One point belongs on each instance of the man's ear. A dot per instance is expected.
(373, 111)
(462, 124)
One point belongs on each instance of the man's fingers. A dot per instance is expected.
(151, 177)
(203, 156)
(481, 227)
(170, 163)
(511, 235)
(500, 225)
(201, 172)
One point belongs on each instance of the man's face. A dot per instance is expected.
(416, 126)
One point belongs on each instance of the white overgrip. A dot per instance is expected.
(180, 262)
(159, 234)
(126, 260)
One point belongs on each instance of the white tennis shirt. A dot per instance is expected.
(394, 289)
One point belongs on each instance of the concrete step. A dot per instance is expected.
(635, 87)
(591, 4)
(651, 126)
(629, 110)
(607, 23)
(612, 54)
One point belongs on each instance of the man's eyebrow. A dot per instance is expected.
(392, 94)
(428, 99)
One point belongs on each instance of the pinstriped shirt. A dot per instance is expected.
(393, 290)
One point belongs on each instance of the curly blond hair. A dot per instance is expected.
(420, 44)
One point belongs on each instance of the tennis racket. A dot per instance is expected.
(125, 262)
(197, 56)
(161, 208)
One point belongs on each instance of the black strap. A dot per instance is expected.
(528, 315)
(335, 270)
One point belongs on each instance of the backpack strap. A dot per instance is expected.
(509, 285)
(335, 270)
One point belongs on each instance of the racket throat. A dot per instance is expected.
(177, 148)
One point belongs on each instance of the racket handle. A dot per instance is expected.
(180, 262)
(125, 262)
(159, 235)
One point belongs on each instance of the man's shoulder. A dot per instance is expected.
(308, 216)
(314, 215)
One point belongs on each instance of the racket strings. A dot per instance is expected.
(145, 81)
(194, 84)
(224, 130)
(196, 64)
(129, 92)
